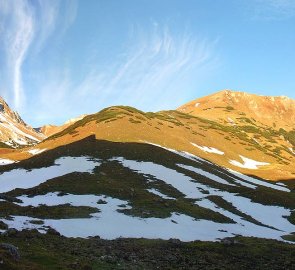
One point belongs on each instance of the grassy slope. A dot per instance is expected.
(120, 182)
(44, 251)
(54, 252)
(176, 130)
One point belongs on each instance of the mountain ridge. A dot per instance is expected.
(269, 110)
(234, 139)
(14, 132)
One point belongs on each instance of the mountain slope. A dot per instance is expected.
(247, 149)
(14, 131)
(151, 191)
(49, 130)
(155, 181)
(244, 144)
(234, 108)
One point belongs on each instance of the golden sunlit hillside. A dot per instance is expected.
(229, 136)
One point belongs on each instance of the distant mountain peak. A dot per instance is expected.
(268, 110)
(13, 130)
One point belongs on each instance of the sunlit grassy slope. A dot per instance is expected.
(176, 130)
(232, 129)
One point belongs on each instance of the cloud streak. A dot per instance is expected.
(154, 66)
(18, 40)
(154, 71)
(24, 27)
(272, 9)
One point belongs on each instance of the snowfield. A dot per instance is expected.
(21, 178)
(109, 222)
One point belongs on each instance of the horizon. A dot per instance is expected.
(116, 105)
(61, 59)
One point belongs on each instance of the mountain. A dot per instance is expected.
(126, 189)
(111, 204)
(49, 130)
(143, 181)
(222, 129)
(14, 131)
(235, 108)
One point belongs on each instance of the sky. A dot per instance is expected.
(63, 58)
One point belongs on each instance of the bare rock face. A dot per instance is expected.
(14, 131)
(12, 250)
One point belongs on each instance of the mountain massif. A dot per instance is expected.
(234, 108)
(251, 134)
(210, 185)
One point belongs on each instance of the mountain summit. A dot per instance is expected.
(14, 131)
(234, 106)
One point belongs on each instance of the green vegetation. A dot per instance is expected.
(289, 237)
(134, 121)
(229, 207)
(289, 136)
(46, 212)
(40, 251)
(3, 145)
(114, 180)
(51, 251)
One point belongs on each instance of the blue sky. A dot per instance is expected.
(63, 58)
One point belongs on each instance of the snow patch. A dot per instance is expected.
(21, 178)
(248, 163)
(4, 161)
(255, 181)
(36, 151)
(208, 149)
(158, 193)
(231, 121)
(209, 175)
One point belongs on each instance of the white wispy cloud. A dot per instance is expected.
(272, 9)
(154, 67)
(155, 70)
(24, 27)
(17, 41)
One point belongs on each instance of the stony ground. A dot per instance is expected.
(52, 251)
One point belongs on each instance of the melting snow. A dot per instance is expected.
(248, 163)
(16, 132)
(252, 180)
(208, 149)
(231, 121)
(181, 182)
(177, 225)
(5, 161)
(157, 192)
(36, 151)
(21, 178)
(206, 174)
(180, 153)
